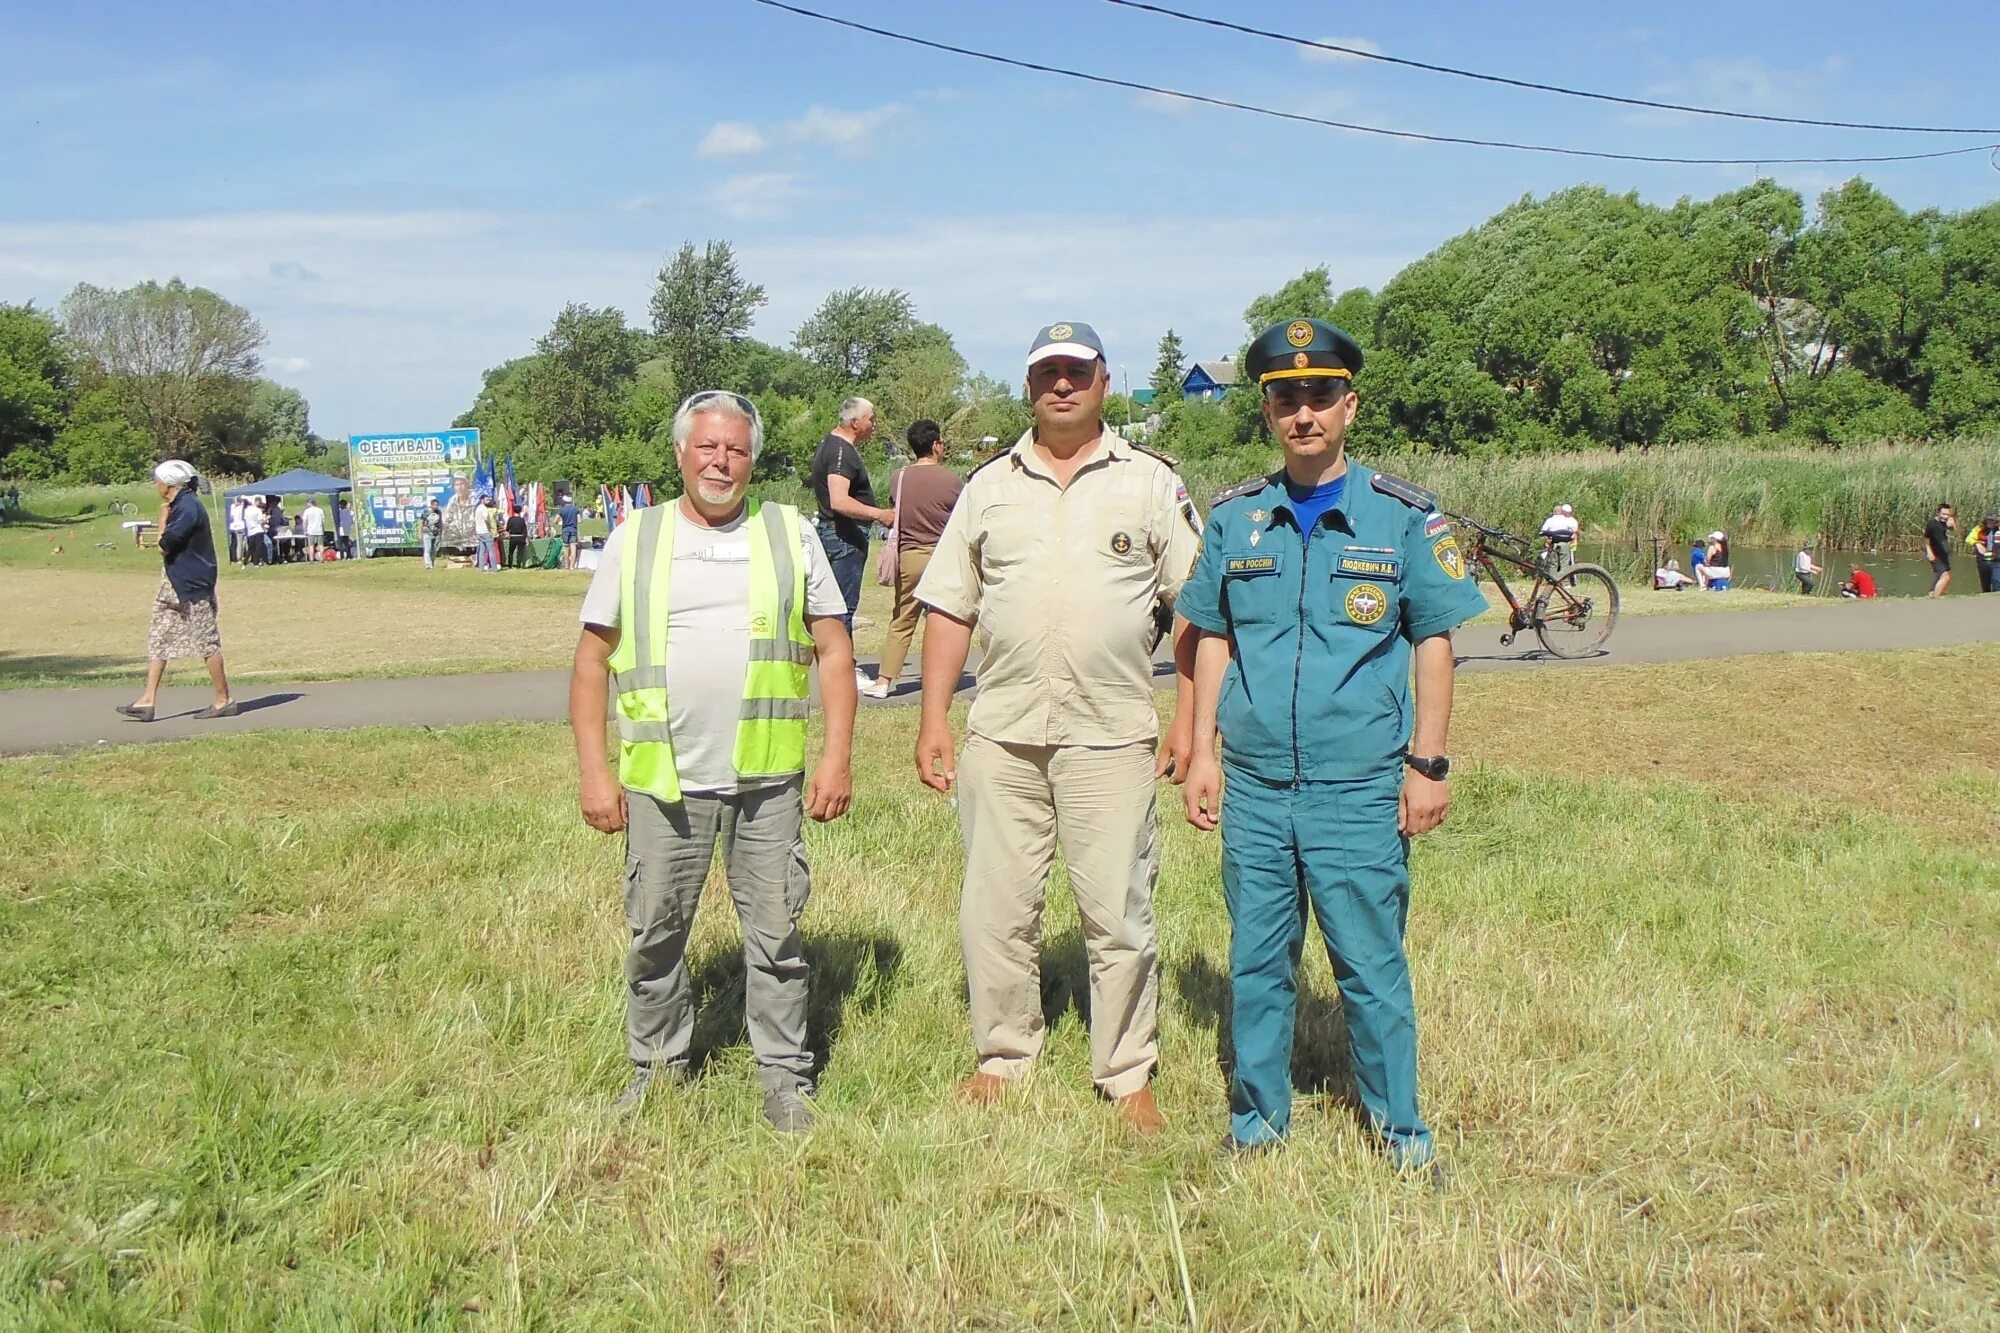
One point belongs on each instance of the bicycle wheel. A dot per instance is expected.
(1576, 613)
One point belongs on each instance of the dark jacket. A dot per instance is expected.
(188, 547)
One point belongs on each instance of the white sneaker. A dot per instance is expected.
(874, 689)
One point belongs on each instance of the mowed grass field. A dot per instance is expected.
(324, 1036)
(74, 612)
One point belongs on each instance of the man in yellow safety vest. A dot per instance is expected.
(705, 616)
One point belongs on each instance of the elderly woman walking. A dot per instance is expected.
(184, 608)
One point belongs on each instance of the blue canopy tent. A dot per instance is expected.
(299, 481)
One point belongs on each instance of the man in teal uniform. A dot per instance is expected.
(1317, 589)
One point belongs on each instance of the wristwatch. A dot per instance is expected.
(1435, 766)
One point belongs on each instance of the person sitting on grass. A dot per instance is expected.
(1670, 578)
(1714, 573)
(1860, 584)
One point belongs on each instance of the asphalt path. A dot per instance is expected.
(46, 721)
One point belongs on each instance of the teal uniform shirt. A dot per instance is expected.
(1315, 718)
(1318, 688)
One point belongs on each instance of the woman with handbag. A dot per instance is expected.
(924, 493)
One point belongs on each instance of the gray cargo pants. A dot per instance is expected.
(668, 851)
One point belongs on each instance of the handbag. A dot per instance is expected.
(887, 563)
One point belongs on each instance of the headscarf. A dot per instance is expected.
(174, 472)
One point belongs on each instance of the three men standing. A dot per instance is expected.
(1316, 588)
(1060, 552)
(706, 615)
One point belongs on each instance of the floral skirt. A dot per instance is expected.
(182, 629)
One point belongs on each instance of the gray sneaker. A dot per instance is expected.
(644, 1077)
(787, 1110)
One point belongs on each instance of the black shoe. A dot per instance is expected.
(136, 713)
(787, 1110)
(225, 710)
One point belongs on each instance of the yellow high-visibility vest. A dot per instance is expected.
(771, 726)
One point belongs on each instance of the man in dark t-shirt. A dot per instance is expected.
(517, 540)
(1937, 547)
(570, 516)
(847, 502)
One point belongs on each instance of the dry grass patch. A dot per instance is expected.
(1911, 734)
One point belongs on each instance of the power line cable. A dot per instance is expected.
(1300, 118)
(1361, 53)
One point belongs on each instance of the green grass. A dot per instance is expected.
(321, 1035)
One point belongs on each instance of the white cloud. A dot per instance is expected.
(1163, 105)
(1319, 55)
(1732, 83)
(758, 194)
(851, 132)
(730, 138)
(409, 309)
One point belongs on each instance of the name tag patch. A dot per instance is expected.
(1366, 565)
(1242, 566)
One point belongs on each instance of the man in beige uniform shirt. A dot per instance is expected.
(1060, 551)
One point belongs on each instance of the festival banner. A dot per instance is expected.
(397, 476)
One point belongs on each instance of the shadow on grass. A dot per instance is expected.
(847, 972)
(15, 667)
(1320, 1059)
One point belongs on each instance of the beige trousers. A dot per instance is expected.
(910, 565)
(1014, 802)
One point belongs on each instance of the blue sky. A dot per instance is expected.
(406, 195)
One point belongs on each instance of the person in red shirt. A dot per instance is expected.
(1860, 584)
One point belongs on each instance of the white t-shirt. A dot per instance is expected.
(236, 508)
(708, 634)
(314, 519)
(1562, 527)
(1802, 563)
(255, 519)
(482, 520)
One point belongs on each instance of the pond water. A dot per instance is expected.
(1897, 574)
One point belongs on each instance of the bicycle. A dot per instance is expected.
(1572, 610)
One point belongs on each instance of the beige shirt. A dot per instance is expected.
(1061, 583)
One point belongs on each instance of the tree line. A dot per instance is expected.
(114, 381)
(1588, 319)
(1582, 319)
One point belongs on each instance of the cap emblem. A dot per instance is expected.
(1060, 331)
(1299, 333)
(1300, 360)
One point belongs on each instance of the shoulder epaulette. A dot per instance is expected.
(1153, 453)
(1411, 494)
(1240, 488)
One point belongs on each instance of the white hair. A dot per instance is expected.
(719, 402)
(854, 409)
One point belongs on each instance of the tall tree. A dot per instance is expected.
(921, 376)
(580, 378)
(702, 308)
(1169, 370)
(176, 352)
(853, 331)
(35, 386)
(1308, 296)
